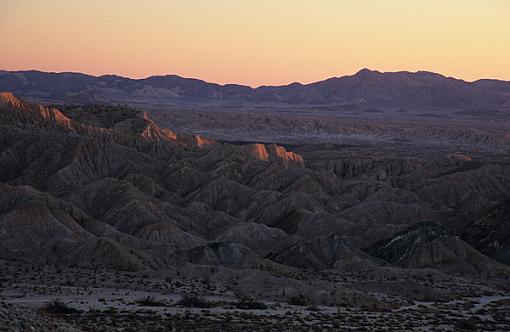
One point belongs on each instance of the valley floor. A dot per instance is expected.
(44, 298)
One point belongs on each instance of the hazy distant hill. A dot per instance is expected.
(421, 90)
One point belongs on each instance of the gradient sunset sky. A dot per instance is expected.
(262, 42)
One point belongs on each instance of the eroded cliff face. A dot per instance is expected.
(18, 113)
(259, 151)
(98, 185)
(108, 169)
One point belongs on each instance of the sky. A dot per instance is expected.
(257, 42)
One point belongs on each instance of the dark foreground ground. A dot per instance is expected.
(41, 298)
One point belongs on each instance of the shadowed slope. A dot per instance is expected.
(98, 185)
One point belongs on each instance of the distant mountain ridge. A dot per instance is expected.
(421, 90)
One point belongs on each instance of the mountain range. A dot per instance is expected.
(419, 90)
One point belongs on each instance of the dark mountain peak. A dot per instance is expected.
(295, 84)
(366, 71)
(420, 75)
(113, 76)
(176, 78)
(424, 73)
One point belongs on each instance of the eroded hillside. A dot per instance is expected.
(105, 186)
(98, 201)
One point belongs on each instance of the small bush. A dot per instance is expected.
(466, 325)
(150, 301)
(192, 300)
(297, 300)
(57, 307)
(250, 305)
(313, 308)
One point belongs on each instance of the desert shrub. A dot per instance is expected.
(313, 308)
(250, 304)
(110, 311)
(297, 300)
(247, 302)
(150, 301)
(192, 300)
(57, 307)
(466, 325)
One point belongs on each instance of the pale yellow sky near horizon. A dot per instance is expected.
(259, 42)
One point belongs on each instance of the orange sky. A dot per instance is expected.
(257, 42)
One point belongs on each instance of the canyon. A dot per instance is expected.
(379, 193)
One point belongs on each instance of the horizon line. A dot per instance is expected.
(246, 85)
